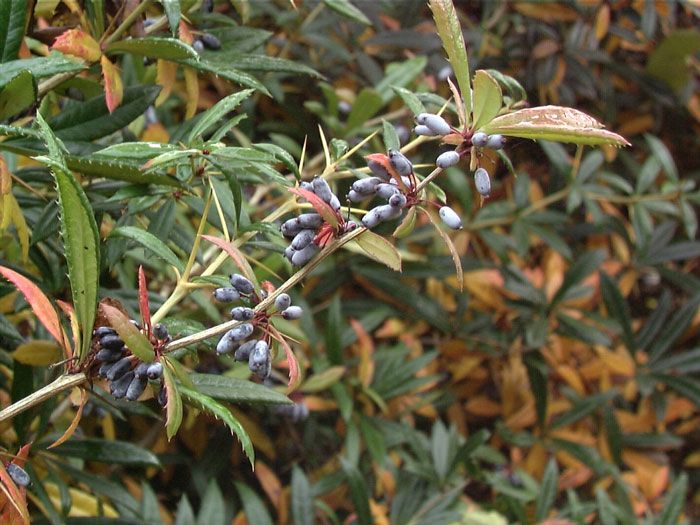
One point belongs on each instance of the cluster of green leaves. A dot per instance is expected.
(587, 249)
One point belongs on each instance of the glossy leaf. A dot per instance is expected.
(150, 242)
(348, 10)
(488, 99)
(219, 411)
(173, 407)
(107, 451)
(40, 67)
(172, 11)
(450, 33)
(154, 47)
(378, 248)
(554, 123)
(132, 337)
(217, 112)
(17, 95)
(236, 390)
(13, 16)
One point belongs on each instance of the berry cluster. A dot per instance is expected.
(240, 339)
(309, 232)
(206, 41)
(128, 376)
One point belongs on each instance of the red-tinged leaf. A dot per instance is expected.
(450, 246)
(16, 496)
(74, 424)
(184, 33)
(235, 254)
(324, 210)
(382, 159)
(173, 407)
(38, 302)
(143, 302)
(292, 363)
(139, 345)
(114, 89)
(79, 44)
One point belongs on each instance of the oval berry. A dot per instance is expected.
(496, 142)
(397, 201)
(292, 312)
(241, 283)
(479, 139)
(438, 125)
(282, 302)
(226, 295)
(424, 131)
(447, 159)
(242, 313)
(450, 218)
(482, 181)
(18, 475)
(400, 162)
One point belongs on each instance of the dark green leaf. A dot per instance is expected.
(225, 71)
(411, 100)
(172, 11)
(17, 95)
(366, 105)
(391, 139)
(583, 266)
(185, 514)
(236, 390)
(345, 8)
(217, 112)
(302, 502)
(40, 67)
(253, 506)
(674, 502)
(212, 510)
(674, 328)
(107, 451)
(155, 47)
(618, 309)
(150, 242)
(548, 490)
(358, 492)
(13, 15)
(581, 409)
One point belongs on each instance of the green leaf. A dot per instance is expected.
(17, 95)
(661, 153)
(136, 151)
(213, 508)
(685, 386)
(261, 63)
(450, 33)
(137, 342)
(366, 105)
(581, 409)
(674, 329)
(302, 502)
(674, 502)
(358, 492)
(253, 506)
(225, 71)
(237, 390)
(97, 166)
(150, 242)
(281, 155)
(379, 249)
(92, 120)
(399, 74)
(548, 490)
(40, 67)
(323, 380)
(217, 112)
(13, 16)
(185, 514)
(537, 375)
(618, 309)
(107, 451)
(172, 11)
(154, 47)
(515, 90)
(488, 99)
(585, 265)
(219, 411)
(613, 433)
(345, 8)
(173, 407)
(668, 60)
(554, 123)
(81, 239)
(391, 138)
(411, 100)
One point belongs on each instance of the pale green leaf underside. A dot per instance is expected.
(379, 249)
(554, 123)
(488, 98)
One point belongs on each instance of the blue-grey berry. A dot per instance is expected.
(386, 190)
(289, 252)
(400, 162)
(154, 371)
(496, 142)
(160, 331)
(292, 312)
(398, 200)
(301, 257)
(226, 344)
(210, 41)
(141, 370)
(243, 351)
(355, 197)
(119, 386)
(162, 396)
(226, 295)
(119, 368)
(242, 313)
(136, 387)
(424, 131)
(447, 159)
(105, 368)
(282, 301)
(198, 46)
(107, 355)
(479, 139)
(240, 332)
(378, 170)
(290, 227)
(306, 185)
(18, 475)
(366, 186)
(111, 341)
(334, 202)
(482, 181)
(387, 212)
(422, 117)
(259, 360)
(102, 331)
(322, 189)
(438, 124)
(309, 220)
(302, 239)
(241, 283)
(371, 219)
(450, 218)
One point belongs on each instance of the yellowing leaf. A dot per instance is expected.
(37, 353)
(554, 123)
(82, 503)
(165, 76)
(79, 44)
(323, 380)
(379, 249)
(192, 90)
(114, 89)
(488, 98)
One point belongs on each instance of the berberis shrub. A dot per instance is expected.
(299, 262)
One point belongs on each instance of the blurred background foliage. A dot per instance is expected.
(560, 387)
